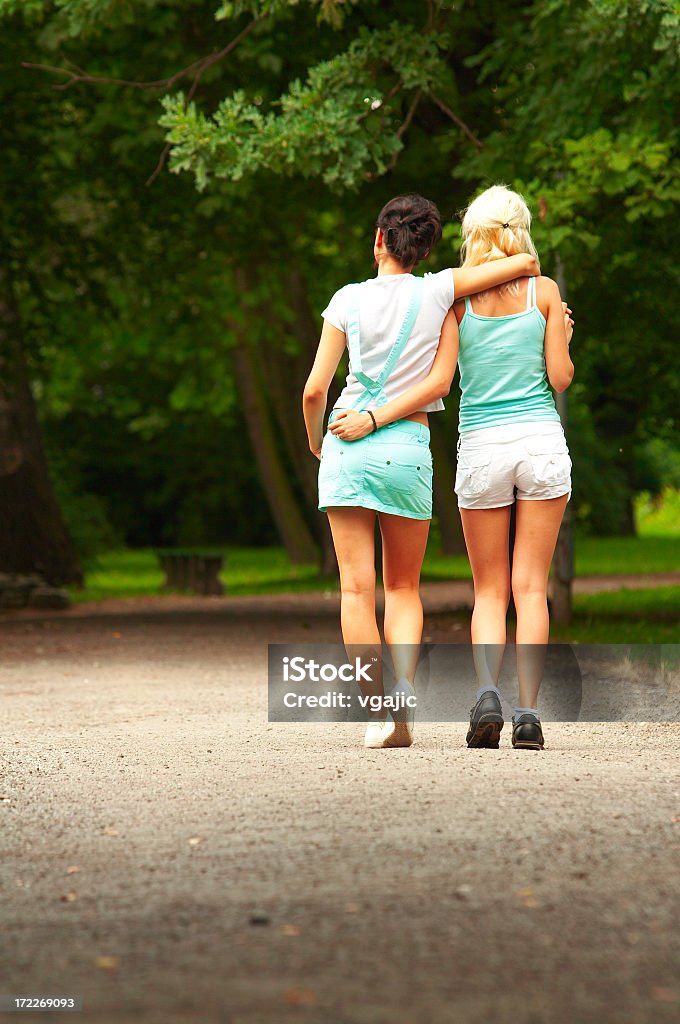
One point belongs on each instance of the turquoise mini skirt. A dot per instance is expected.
(389, 470)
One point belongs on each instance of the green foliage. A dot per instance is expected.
(603, 134)
(86, 515)
(659, 515)
(65, 20)
(585, 127)
(340, 125)
(30, 9)
(332, 11)
(132, 298)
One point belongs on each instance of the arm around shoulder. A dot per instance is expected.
(468, 280)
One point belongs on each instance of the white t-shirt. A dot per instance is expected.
(383, 302)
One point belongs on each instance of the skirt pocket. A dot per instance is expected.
(331, 461)
(398, 478)
(341, 471)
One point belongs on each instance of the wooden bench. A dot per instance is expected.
(195, 572)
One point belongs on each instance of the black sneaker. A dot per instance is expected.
(486, 721)
(527, 733)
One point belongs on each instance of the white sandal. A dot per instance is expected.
(375, 733)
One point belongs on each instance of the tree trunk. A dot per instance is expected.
(291, 526)
(443, 495)
(628, 524)
(284, 390)
(33, 536)
(290, 371)
(563, 558)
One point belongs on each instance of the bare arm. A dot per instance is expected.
(351, 425)
(468, 280)
(558, 330)
(315, 395)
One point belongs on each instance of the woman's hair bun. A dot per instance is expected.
(411, 225)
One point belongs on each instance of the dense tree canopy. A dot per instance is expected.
(167, 320)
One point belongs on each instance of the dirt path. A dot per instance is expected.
(431, 885)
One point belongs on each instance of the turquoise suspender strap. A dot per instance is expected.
(374, 389)
(353, 335)
(404, 331)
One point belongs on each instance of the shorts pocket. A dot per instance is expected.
(550, 462)
(472, 474)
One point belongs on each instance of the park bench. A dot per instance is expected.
(196, 572)
(19, 590)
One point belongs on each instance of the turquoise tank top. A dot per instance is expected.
(503, 377)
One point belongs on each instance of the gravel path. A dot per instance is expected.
(231, 871)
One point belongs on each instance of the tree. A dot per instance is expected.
(250, 351)
(296, 126)
(586, 127)
(596, 150)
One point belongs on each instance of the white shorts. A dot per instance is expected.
(493, 461)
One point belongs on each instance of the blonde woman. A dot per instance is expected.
(375, 455)
(514, 346)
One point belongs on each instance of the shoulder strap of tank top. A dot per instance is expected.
(531, 293)
(468, 305)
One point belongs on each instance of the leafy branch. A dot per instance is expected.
(197, 69)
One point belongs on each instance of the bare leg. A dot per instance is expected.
(486, 537)
(353, 532)
(538, 524)
(404, 542)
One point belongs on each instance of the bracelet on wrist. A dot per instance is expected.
(375, 425)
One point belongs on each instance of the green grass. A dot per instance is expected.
(662, 602)
(618, 617)
(445, 567)
(130, 573)
(623, 616)
(605, 556)
(593, 556)
(659, 517)
(650, 616)
(655, 549)
(248, 571)
(267, 570)
(642, 616)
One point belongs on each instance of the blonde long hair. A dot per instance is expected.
(496, 224)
